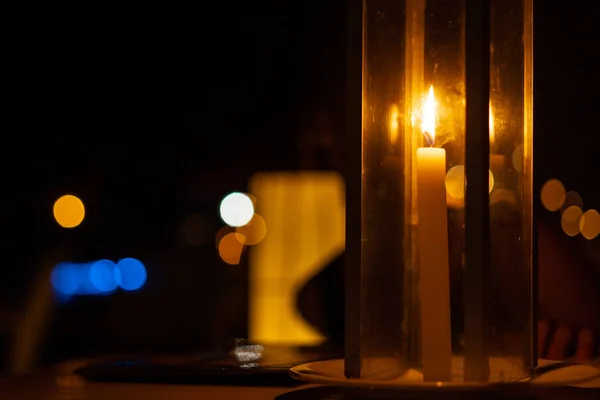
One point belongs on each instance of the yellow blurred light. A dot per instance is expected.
(69, 211)
(393, 123)
(455, 182)
(236, 209)
(231, 247)
(305, 213)
(517, 158)
(589, 224)
(570, 220)
(572, 198)
(491, 123)
(553, 195)
(253, 232)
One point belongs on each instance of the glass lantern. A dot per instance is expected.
(440, 276)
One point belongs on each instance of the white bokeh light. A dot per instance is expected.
(236, 209)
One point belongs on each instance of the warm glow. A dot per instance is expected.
(553, 195)
(428, 118)
(572, 198)
(305, 215)
(589, 224)
(492, 132)
(221, 233)
(253, 232)
(455, 182)
(393, 123)
(230, 248)
(570, 220)
(518, 156)
(69, 211)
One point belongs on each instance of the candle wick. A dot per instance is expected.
(429, 138)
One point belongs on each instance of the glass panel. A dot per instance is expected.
(410, 313)
(511, 99)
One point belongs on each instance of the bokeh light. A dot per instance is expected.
(236, 209)
(589, 224)
(517, 157)
(455, 182)
(68, 211)
(570, 220)
(231, 247)
(572, 198)
(502, 195)
(252, 198)
(65, 279)
(102, 275)
(130, 274)
(553, 195)
(253, 232)
(221, 233)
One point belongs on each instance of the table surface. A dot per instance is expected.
(45, 386)
(58, 383)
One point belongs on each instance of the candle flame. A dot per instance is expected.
(428, 117)
(492, 133)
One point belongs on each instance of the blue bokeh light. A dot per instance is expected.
(65, 279)
(98, 278)
(101, 275)
(130, 274)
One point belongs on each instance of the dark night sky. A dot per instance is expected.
(122, 105)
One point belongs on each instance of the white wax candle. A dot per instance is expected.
(436, 349)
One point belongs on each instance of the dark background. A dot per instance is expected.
(148, 114)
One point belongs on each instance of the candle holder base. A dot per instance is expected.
(331, 372)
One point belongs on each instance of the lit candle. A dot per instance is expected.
(436, 349)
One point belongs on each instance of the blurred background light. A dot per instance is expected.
(517, 157)
(502, 195)
(455, 183)
(221, 233)
(99, 277)
(65, 278)
(589, 224)
(231, 247)
(253, 232)
(572, 198)
(130, 274)
(570, 220)
(553, 195)
(236, 209)
(102, 275)
(68, 211)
